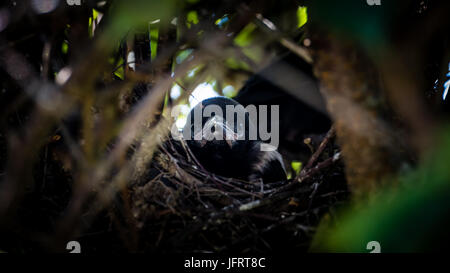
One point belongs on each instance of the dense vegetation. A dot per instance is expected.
(86, 94)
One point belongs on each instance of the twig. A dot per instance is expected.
(322, 146)
(308, 173)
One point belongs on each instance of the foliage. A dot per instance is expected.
(86, 97)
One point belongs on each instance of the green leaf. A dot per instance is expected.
(302, 16)
(244, 38)
(296, 166)
(192, 18)
(154, 35)
(64, 47)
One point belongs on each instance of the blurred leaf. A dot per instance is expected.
(255, 53)
(129, 14)
(94, 14)
(236, 64)
(192, 18)
(302, 16)
(296, 166)
(357, 19)
(64, 47)
(244, 38)
(154, 34)
(120, 73)
(413, 217)
(91, 22)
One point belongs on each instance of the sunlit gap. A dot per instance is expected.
(201, 92)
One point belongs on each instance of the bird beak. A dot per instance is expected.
(230, 143)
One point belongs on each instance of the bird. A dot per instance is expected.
(221, 141)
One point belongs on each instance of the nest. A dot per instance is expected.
(178, 206)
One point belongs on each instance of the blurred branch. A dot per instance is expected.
(370, 143)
